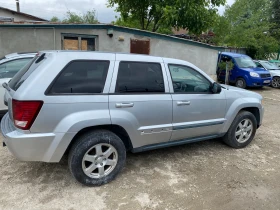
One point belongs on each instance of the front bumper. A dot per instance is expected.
(258, 82)
(26, 147)
(261, 116)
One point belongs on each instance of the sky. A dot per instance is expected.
(48, 8)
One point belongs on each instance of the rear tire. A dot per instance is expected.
(239, 134)
(241, 83)
(97, 158)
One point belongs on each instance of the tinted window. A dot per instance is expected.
(137, 77)
(259, 65)
(10, 68)
(81, 77)
(186, 79)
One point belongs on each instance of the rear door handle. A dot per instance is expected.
(183, 103)
(124, 105)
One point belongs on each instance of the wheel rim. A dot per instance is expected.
(276, 82)
(244, 131)
(100, 160)
(240, 83)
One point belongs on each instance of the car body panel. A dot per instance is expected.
(154, 120)
(238, 72)
(5, 60)
(274, 72)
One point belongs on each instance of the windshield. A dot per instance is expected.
(269, 66)
(245, 62)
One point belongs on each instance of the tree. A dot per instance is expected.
(247, 24)
(71, 17)
(134, 23)
(196, 15)
(54, 19)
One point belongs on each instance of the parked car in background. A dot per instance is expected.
(98, 105)
(9, 66)
(273, 69)
(245, 72)
(276, 62)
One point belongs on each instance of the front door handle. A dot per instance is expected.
(124, 105)
(183, 103)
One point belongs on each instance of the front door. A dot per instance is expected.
(196, 111)
(140, 101)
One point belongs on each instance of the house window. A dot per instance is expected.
(78, 42)
(140, 46)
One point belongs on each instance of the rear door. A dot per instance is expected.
(139, 99)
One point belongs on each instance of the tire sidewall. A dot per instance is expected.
(238, 119)
(84, 143)
(272, 82)
(244, 83)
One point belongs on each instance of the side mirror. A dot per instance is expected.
(216, 88)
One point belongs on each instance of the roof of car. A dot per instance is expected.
(97, 52)
(12, 55)
(234, 55)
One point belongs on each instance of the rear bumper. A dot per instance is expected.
(31, 147)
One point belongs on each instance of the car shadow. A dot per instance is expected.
(58, 174)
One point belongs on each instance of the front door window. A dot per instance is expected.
(188, 80)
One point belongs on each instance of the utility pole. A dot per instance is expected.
(17, 3)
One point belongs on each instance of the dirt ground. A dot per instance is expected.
(205, 175)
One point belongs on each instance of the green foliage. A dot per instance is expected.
(223, 65)
(134, 23)
(275, 19)
(247, 24)
(54, 19)
(162, 15)
(89, 17)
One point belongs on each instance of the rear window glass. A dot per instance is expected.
(25, 72)
(81, 77)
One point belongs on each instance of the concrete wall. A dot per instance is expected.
(30, 39)
(16, 16)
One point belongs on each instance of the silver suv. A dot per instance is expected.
(96, 106)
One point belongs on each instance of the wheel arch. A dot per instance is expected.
(239, 106)
(255, 111)
(116, 129)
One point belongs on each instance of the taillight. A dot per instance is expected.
(25, 112)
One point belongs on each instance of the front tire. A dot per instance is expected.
(97, 158)
(275, 82)
(241, 83)
(242, 130)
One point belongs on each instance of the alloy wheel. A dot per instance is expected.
(100, 160)
(244, 131)
(276, 82)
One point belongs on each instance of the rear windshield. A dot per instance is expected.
(25, 72)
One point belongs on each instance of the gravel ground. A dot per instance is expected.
(205, 175)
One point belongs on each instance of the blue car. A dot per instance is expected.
(244, 73)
